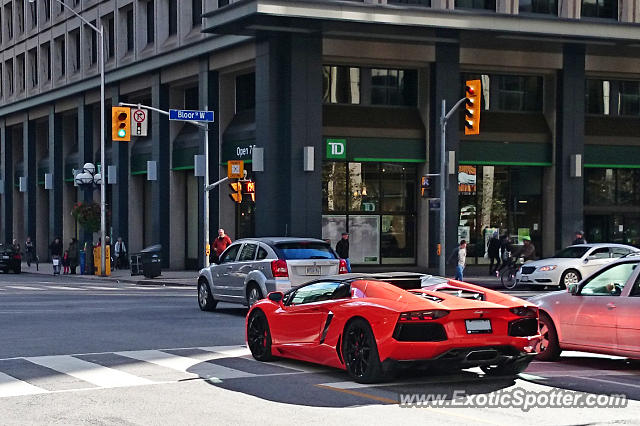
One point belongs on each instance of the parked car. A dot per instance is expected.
(600, 314)
(10, 259)
(250, 268)
(571, 265)
(369, 327)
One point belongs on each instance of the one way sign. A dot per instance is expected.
(139, 122)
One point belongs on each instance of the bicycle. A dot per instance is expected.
(509, 271)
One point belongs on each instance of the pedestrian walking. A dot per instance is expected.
(65, 263)
(29, 251)
(221, 243)
(120, 252)
(56, 254)
(73, 256)
(459, 256)
(579, 238)
(342, 248)
(493, 250)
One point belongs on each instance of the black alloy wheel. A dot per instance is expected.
(360, 353)
(259, 336)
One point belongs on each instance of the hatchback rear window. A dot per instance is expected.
(304, 250)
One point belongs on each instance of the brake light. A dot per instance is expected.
(417, 316)
(343, 267)
(524, 311)
(16, 256)
(279, 269)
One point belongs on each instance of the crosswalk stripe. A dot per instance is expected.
(186, 364)
(93, 287)
(55, 287)
(219, 352)
(22, 287)
(89, 372)
(10, 386)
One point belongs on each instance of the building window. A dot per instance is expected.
(394, 87)
(539, 6)
(223, 3)
(130, 39)
(33, 9)
(46, 63)
(245, 92)
(9, 70)
(33, 67)
(20, 69)
(75, 54)
(47, 9)
(8, 19)
(629, 98)
(173, 17)
(150, 22)
(598, 97)
(20, 15)
(426, 3)
(600, 9)
(1, 85)
(341, 85)
(110, 36)
(509, 92)
(61, 55)
(476, 4)
(93, 37)
(196, 13)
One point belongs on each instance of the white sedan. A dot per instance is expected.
(571, 265)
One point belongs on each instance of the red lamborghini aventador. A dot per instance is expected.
(368, 327)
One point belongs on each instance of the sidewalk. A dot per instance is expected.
(168, 277)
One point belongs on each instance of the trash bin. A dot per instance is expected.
(136, 264)
(150, 256)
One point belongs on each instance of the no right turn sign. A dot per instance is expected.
(139, 122)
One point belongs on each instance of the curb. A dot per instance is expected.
(180, 282)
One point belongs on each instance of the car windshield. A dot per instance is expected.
(572, 252)
(306, 250)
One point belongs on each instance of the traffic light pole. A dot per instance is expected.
(444, 118)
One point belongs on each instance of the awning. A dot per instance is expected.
(612, 156)
(239, 138)
(71, 162)
(43, 168)
(185, 146)
(141, 152)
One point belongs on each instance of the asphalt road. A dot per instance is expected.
(76, 352)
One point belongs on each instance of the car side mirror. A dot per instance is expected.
(276, 296)
(573, 289)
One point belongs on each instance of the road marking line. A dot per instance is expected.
(10, 386)
(89, 372)
(185, 364)
(55, 287)
(614, 382)
(22, 287)
(359, 394)
(227, 351)
(102, 288)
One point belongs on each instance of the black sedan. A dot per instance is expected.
(10, 259)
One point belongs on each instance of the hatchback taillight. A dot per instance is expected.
(343, 267)
(279, 269)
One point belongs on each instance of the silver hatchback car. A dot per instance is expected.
(251, 268)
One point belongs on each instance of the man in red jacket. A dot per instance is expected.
(221, 243)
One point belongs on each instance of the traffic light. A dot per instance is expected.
(250, 189)
(121, 124)
(236, 195)
(426, 187)
(472, 107)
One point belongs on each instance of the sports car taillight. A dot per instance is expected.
(16, 256)
(523, 311)
(417, 316)
(279, 269)
(343, 267)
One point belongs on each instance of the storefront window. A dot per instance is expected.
(394, 87)
(509, 92)
(629, 98)
(376, 204)
(600, 9)
(498, 198)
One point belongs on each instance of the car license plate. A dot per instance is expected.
(478, 326)
(314, 270)
(524, 278)
(5, 257)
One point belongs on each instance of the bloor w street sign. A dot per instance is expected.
(337, 149)
(189, 115)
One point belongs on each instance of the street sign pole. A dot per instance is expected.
(206, 197)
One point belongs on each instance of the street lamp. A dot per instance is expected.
(87, 178)
(103, 193)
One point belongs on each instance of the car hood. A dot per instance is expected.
(559, 261)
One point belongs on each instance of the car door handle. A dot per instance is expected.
(229, 267)
(611, 305)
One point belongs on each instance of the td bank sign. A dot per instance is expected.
(337, 149)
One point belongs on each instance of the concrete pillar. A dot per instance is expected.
(445, 84)
(289, 118)
(7, 179)
(31, 173)
(85, 155)
(569, 142)
(208, 86)
(161, 154)
(56, 167)
(120, 191)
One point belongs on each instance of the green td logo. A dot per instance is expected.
(337, 149)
